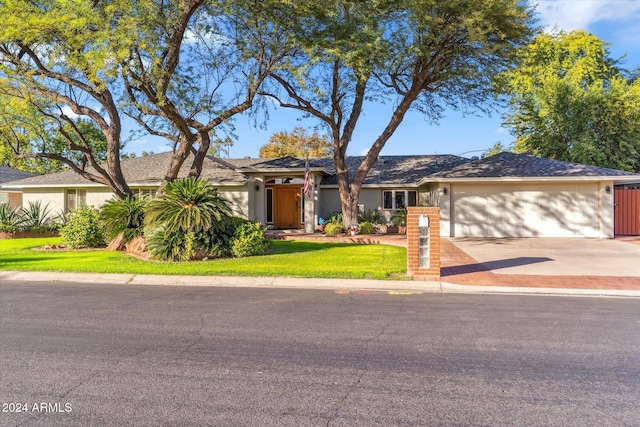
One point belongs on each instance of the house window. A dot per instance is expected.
(269, 205)
(149, 193)
(397, 199)
(75, 199)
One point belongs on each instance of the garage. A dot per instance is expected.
(526, 210)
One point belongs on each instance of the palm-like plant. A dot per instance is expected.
(188, 205)
(10, 218)
(124, 216)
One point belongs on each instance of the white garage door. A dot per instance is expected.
(526, 210)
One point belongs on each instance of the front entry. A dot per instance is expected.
(287, 203)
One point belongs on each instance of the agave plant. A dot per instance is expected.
(124, 216)
(10, 218)
(36, 217)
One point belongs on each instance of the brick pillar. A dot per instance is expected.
(432, 271)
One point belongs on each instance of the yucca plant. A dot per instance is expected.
(10, 218)
(124, 216)
(188, 206)
(36, 217)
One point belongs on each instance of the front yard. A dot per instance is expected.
(288, 258)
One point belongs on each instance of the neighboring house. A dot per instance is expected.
(11, 196)
(507, 195)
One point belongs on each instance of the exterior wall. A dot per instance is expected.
(370, 198)
(53, 196)
(414, 252)
(330, 202)
(607, 210)
(97, 197)
(13, 198)
(238, 198)
(571, 209)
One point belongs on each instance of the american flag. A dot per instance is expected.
(307, 184)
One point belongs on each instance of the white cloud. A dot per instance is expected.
(582, 14)
(66, 110)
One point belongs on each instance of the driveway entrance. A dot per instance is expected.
(554, 256)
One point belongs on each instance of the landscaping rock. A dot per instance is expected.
(117, 244)
(136, 246)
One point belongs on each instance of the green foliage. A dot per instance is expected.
(374, 216)
(124, 216)
(167, 245)
(188, 216)
(10, 218)
(83, 229)
(188, 205)
(297, 144)
(217, 243)
(399, 217)
(248, 240)
(569, 101)
(367, 228)
(37, 218)
(335, 218)
(333, 228)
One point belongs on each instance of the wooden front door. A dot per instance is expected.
(286, 207)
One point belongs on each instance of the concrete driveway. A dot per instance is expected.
(554, 256)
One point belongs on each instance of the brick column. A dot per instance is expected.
(432, 271)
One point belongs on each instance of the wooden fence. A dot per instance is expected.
(627, 212)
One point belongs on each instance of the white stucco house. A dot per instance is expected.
(507, 195)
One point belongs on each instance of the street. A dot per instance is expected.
(115, 355)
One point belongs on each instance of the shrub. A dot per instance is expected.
(334, 218)
(216, 243)
(166, 245)
(333, 228)
(374, 216)
(124, 216)
(83, 229)
(248, 240)
(400, 217)
(367, 228)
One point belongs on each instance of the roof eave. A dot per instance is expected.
(530, 179)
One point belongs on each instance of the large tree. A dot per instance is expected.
(199, 65)
(414, 54)
(570, 101)
(56, 63)
(181, 68)
(297, 144)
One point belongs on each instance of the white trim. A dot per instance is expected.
(133, 184)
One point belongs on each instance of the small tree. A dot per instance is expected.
(297, 144)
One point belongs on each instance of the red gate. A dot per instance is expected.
(627, 212)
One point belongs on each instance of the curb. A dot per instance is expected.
(302, 283)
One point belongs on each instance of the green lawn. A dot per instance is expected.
(288, 258)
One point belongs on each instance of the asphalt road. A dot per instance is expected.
(116, 355)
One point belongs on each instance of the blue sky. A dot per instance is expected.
(615, 21)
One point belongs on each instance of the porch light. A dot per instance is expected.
(257, 187)
(445, 190)
(607, 189)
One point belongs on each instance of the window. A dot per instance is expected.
(397, 199)
(144, 192)
(269, 205)
(75, 199)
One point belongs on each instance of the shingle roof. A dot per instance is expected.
(144, 170)
(389, 170)
(505, 165)
(9, 174)
(397, 170)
